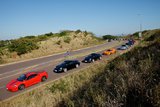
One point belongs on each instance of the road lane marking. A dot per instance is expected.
(53, 54)
(12, 71)
(31, 67)
(25, 70)
(48, 82)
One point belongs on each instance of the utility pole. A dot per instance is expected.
(140, 26)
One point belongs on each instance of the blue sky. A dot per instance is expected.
(33, 17)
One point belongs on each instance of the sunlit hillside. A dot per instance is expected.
(47, 44)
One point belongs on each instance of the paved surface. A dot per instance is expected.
(12, 71)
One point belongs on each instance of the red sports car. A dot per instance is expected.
(26, 80)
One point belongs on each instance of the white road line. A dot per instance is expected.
(47, 55)
(13, 71)
(21, 69)
(18, 72)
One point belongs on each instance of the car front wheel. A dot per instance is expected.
(77, 65)
(21, 87)
(100, 58)
(65, 69)
(93, 60)
(44, 78)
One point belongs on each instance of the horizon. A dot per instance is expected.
(25, 18)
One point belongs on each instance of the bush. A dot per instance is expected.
(1, 60)
(49, 34)
(109, 37)
(67, 39)
(29, 37)
(153, 37)
(42, 38)
(58, 42)
(22, 46)
(78, 31)
(63, 33)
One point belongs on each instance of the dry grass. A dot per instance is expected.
(130, 80)
(55, 45)
(52, 94)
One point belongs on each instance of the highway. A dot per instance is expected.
(13, 70)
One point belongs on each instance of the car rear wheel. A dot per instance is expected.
(77, 65)
(100, 58)
(65, 69)
(44, 78)
(21, 87)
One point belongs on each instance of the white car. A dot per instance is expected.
(123, 47)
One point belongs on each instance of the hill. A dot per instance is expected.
(129, 80)
(46, 44)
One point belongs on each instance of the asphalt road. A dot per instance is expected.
(12, 71)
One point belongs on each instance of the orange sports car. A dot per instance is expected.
(109, 52)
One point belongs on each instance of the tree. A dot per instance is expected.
(109, 37)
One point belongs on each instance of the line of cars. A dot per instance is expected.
(126, 45)
(31, 78)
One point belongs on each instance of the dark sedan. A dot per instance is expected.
(92, 57)
(67, 65)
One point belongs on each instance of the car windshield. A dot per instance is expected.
(109, 50)
(93, 54)
(63, 63)
(123, 45)
(89, 56)
(22, 77)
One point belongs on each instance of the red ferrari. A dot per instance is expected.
(26, 80)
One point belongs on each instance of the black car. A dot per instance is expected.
(92, 57)
(67, 65)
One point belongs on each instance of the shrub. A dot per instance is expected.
(63, 33)
(29, 37)
(67, 39)
(22, 46)
(49, 34)
(109, 37)
(1, 60)
(58, 42)
(42, 37)
(78, 31)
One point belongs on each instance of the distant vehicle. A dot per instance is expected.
(26, 80)
(123, 47)
(92, 57)
(131, 42)
(109, 52)
(66, 65)
(128, 44)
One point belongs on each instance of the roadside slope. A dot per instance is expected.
(36, 46)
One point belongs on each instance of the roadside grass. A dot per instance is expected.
(72, 57)
(69, 40)
(55, 92)
(130, 80)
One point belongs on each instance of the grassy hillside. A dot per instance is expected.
(36, 46)
(130, 80)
